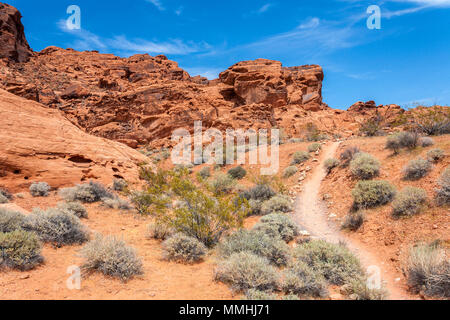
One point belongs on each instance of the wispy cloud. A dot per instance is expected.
(158, 4)
(265, 8)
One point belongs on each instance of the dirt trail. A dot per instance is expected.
(311, 213)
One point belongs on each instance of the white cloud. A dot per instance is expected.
(310, 24)
(265, 8)
(157, 3)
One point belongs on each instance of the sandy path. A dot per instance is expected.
(311, 214)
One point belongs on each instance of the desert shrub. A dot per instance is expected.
(417, 169)
(354, 220)
(290, 171)
(205, 173)
(10, 220)
(432, 121)
(426, 142)
(443, 192)
(314, 147)
(330, 164)
(119, 184)
(255, 295)
(300, 157)
(182, 248)
(259, 243)
(39, 189)
(3, 199)
(333, 261)
(348, 155)
(370, 194)
(112, 257)
(393, 143)
(221, 183)
(301, 279)
(245, 270)
(5, 193)
(409, 201)
(409, 140)
(429, 270)
(372, 127)
(188, 167)
(116, 203)
(365, 166)
(261, 192)
(56, 227)
(255, 207)
(88, 192)
(359, 289)
(75, 208)
(279, 203)
(159, 231)
(237, 173)
(20, 250)
(278, 225)
(435, 155)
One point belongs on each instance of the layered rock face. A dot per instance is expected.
(39, 144)
(13, 44)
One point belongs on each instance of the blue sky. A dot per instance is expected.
(407, 61)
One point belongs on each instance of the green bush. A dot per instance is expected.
(205, 173)
(75, 208)
(278, 225)
(10, 220)
(116, 203)
(237, 173)
(119, 184)
(221, 184)
(20, 250)
(300, 157)
(365, 166)
(159, 231)
(435, 155)
(426, 142)
(417, 169)
(290, 171)
(330, 164)
(314, 147)
(429, 270)
(259, 243)
(334, 262)
(300, 279)
(348, 155)
(443, 192)
(39, 189)
(56, 227)
(354, 220)
(261, 192)
(245, 270)
(112, 257)
(256, 295)
(371, 194)
(409, 201)
(89, 193)
(277, 204)
(182, 248)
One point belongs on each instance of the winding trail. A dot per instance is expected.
(311, 214)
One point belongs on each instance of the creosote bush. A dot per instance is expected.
(257, 242)
(290, 171)
(409, 202)
(300, 157)
(429, 270)
(56, 227)
(365, 166)
(11, 220)
(335, 262)
(75, 208)
(354, 220)
(371, 194)
(112, 257)
(89, 193)
(39, 189)
(159, 231)
(348, 155)
(330, 164)
(443, 192)
(300, 279)
(245, 270)
(237, 173)
(278, 225)
(417, 169)
(314, 147)
(184, 249)
(276, 204)
(435, 155)
(20, 250)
